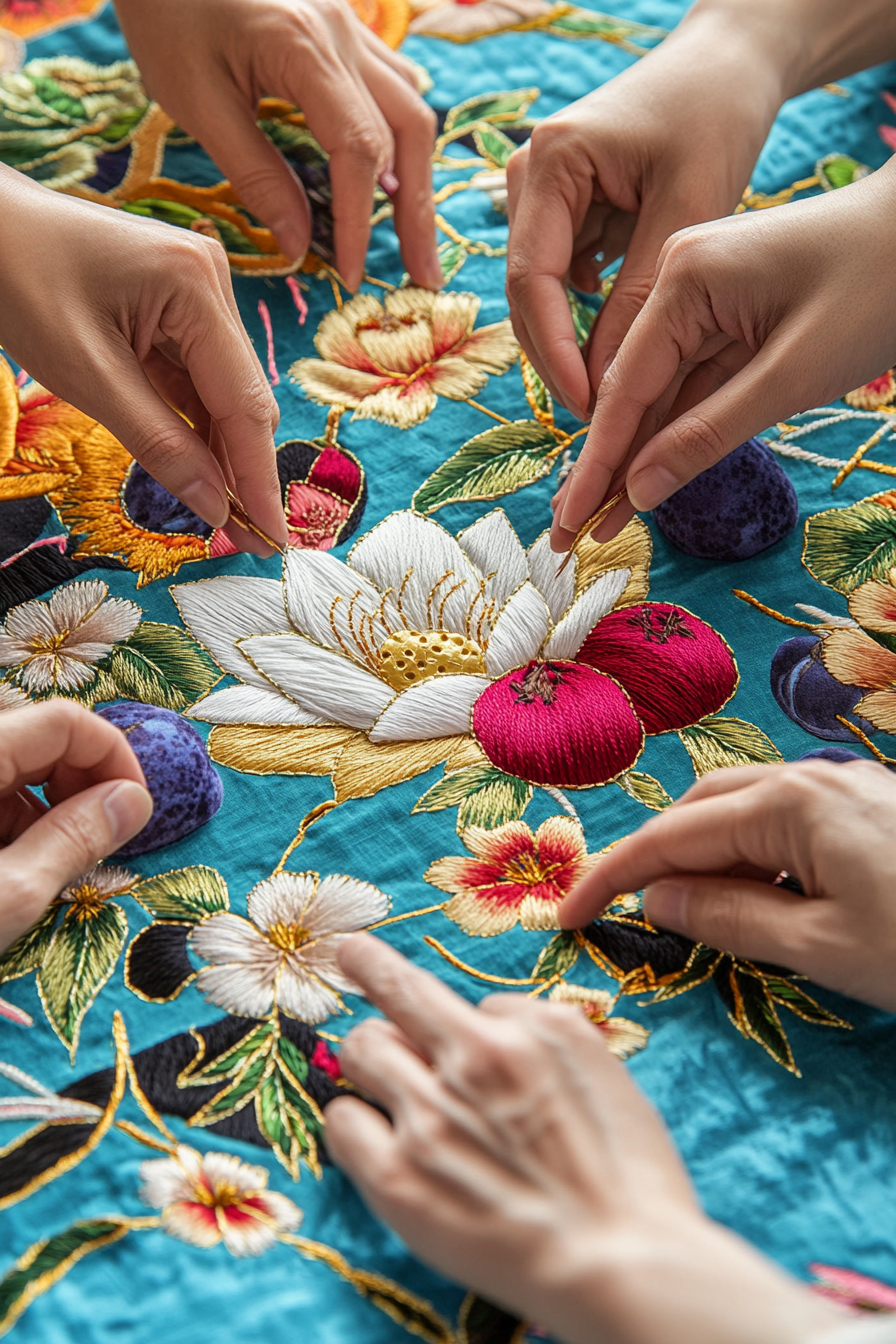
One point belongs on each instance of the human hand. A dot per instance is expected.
(522, 1161)
(707, 865)
(209, 62)
(97, 800)
(130, 318)
(751, 319)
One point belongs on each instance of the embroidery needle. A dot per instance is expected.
(242, 519)
(592, 523)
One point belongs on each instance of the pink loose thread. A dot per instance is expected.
(298, 298)
(264, 314)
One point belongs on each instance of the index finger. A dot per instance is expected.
(429, 1013)
(64, 746)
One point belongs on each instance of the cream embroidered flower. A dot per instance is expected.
(216, 1197)
(55, 645)
(390, 361)
(284, 954)
(12, 698)
(92, 890)
(622, 1036)
(463, 20)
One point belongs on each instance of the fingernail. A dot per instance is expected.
(435, 277)
(206, 500)
(607, 362)
(666, 905)
(293, 242)
(128, 807)
(388, 182)
(651, 486)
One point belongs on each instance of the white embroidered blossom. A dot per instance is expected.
(216, 1197)
(55, 645)
(285, 952)
(95, 887)
(11, 697)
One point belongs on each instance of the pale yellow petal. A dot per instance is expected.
(330, 384)
(278, 751)
(364, 767)
(855, 659)
(400, 404)
(336, 337)
(480, 917)
(457, 379)
(493, 348)
(453, 316)
(874, 605)
(879, 708)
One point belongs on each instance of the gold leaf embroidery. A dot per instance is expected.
(258, 750)
(631, 549)
(365, 767)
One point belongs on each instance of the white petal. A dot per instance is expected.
(321, 960)
(589, 607)
(417, 558)
(558, 590)
(10, 696)
(330, 603)
(218, 612)
(495, 549)
(343, 905)
(164, 1181)
(230, 938)
(245, 991)
(437, 707)
(12, 652)
(323, 682)
(519, 632)
(46, 1108)
(70, 606)
(192, 1222)
(250, 704)
(112, 622)
(281, 899)
(223, 1169)
(301, 995)
(248, 1236)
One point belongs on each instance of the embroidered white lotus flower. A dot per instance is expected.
(216, 1197)
(55, 645)
(284, 954)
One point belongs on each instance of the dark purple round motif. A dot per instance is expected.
(154, 508)
(808, 694)
(185, 786)
(739, 507)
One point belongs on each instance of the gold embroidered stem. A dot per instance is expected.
(592, 522)
(450, 189)
(409, 914)
(855, 460)
(383, 284)
(777, 615)
(471, 970)
(865, 740)
(141, 1136)
(484, 249)
(564, 440)
(304, 825)
(334, 415)
(335, 280)
(545, 984)
(240, 516)
(485, 411)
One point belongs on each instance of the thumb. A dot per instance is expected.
(63, 844)
(750, 919)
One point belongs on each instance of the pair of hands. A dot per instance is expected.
(713, 330)
(149, 309)
(521, 1159)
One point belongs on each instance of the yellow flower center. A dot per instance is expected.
(287, 936)
(86, 901)
(412, 655)
(49, 644)
(529, 871)
(222, 1196)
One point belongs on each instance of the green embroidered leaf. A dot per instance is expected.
(202, 1071)
(186, 893)
(799, 1002)
(701, 964)
(755, 1016)
(494, 145)
(582, 316)
(27, 952)
(578, 23)
(645, 789)
(494, 463)
(162, 665)
(557, 957)
(82, 955)
(294, 1059)
(288, 1118)
(485, 796)
(480, 1322)
(839, 170)
(845, 547)
(537, 395)
(716, 742)
(451, 257)
(237, 1093)
(170, 212)
(505, 107)
(44, 1263)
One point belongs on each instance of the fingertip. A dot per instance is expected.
(128, 807)
(204, 498)
(666, 905)
(355, 951)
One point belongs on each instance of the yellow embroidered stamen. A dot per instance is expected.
(86, 902)
(287, 937)
(338, 637)
(400, 599)
(439, 620)
(449, 574)
(528, 871)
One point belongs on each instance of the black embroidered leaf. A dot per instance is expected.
(42, 568)
(162, 665)
(721, 978)
(480, 1322)
(24, 1162)
(44, 1263)
(630, 949)
(494, 463)
(187, 893)
(557, 957)
(27, 952)
(156, 967)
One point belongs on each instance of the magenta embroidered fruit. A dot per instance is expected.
(673, 665)
(185, 786)
(558, 723)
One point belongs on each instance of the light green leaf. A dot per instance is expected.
(839, 170)
(451, 257)
(494, 463)
(186, 893)
(294, 1059)
(845, 547)
(44, 1263)
(162, 665)
(493, 145)
(633, 37)
(537, 395)
(583, 316)
(480, 1322)
(202, 1071)
(506, 107)
(716, 742)
(645, 789)
(28, 951)
(82, 955)
(485, 796)
(557, 957)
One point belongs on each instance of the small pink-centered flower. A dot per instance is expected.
(391, 361)
(515, 875)
(213, 1198)
(622, 1036)
(871, 396)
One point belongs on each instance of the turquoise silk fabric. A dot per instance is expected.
(798, 1160)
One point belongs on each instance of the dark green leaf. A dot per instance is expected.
(294, 1059)
(480, 1322)
(494, 463)
(28, 951)
(799, 1002)
(701, 964)
(846, 547)
(186, 893)
(44, 1263)
(716, 742)
(202, 1071)
(236, 1094)
(557, 957)
(493, 144)
(82, 955)
(755, 1016)
(506, 107)
(645, 789)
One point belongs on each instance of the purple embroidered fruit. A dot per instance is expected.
(809, 695)
(155, 509)
(839, 755)
(739, 507)
(558, 723)
(185, 786)
(675, 667)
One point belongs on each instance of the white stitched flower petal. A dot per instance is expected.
(437, 707)
(519, 632)
(343, 905)
(164, 1181)
(228, 937)
(281, 899)
(301, 995)
(329, 602)
(321, 959)
(246, 991)
(321, 681)
(192, 1222)
(113, 622)
(421, 563)
(245, 1234)
(219, 612)
(77, 602)
(557, 589)
(495, 549)
(243, 1178)
(250, 704)
(589, 607)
